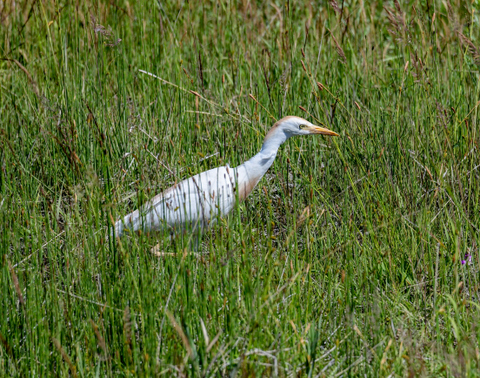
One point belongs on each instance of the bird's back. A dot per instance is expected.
(194, 202)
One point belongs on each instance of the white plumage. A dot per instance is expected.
(190, 203)
(196, 202)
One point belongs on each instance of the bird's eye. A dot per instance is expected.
(301, 127)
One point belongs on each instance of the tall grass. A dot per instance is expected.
(353, 256)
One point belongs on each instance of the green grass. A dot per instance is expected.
(344, 261)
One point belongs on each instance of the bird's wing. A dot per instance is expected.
(193, 202)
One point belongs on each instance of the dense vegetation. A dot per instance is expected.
(355, 255)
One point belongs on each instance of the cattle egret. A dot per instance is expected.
(197, 201)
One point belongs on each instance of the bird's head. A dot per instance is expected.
(292, 125)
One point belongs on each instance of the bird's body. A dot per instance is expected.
(190, 203)
(196, 202)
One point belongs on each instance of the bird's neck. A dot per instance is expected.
(258, 165)
(250, 172)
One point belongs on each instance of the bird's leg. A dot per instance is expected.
(194, 246)
(156, 250)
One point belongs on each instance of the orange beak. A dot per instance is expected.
(320, 130)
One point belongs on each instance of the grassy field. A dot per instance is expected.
(354, 256)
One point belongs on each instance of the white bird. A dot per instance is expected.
(196, 202)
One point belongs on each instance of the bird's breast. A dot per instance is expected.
(246, 182)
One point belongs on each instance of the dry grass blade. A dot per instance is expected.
(6, 345)
(15, 283)
(88, 300)
(30, 78)
(335, 6)
(359, 333)
(397, 6)
(100, 339)
(220, 353)
(107, 33)
(214, 341)
(472, 49)
(357, 361)
(242, 118)
(339, 49)
(417, 64)
(65, 356)
(127, 325)
(397, 21)
(263, 107)
(205, 333)
(303, 65)
(452, 18)
(180, 332)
